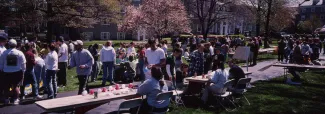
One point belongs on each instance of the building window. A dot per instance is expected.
(303, 17)
(303, 10)
(105, 35)
(120, 35)
(105, 22)
(312, 9)
(87, 35)
(198, 28)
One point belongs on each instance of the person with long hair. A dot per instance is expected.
(151, 88)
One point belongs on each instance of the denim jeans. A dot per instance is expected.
(95, 71)
(29, 78)
(108, 71)
(40, 74)
(140, 66)
(52, 84)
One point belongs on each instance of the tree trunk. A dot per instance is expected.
(258, 18)
(49, 33)
(267, 31)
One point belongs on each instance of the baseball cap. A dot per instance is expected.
(12, 42)
(78, 42)
(3, 36)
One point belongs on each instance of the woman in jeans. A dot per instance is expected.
(51, 61)
(39, 70)
(141, 58)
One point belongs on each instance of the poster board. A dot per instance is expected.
(242, 53)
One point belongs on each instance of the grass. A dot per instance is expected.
(275, 96)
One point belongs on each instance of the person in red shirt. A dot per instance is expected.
(141, 57)
(29, 75)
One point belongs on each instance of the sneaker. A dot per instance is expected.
(112, 83)
(16, 102)
(38, 97)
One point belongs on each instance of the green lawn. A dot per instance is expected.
(275, 96)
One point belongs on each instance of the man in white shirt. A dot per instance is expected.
(131, 50)
(154, 56)
(63, 59)
(13, 65)
(51, 61)
(108, 59)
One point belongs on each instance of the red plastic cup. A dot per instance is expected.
(130, 85)
(91, 92)
(104, 89)
(117, 87)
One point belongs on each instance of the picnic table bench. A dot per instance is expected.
(85, 103)
(286, 67)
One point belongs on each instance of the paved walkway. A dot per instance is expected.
(260, 72)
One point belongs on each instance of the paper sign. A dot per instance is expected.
(242, 53)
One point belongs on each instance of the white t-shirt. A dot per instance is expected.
(154, 57)
(64, 51)
(131, 50)
(51, 61)
(39, 61)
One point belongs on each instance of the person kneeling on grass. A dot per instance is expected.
(151, 88)
(215, 84)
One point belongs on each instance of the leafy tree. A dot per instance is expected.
(158, 17)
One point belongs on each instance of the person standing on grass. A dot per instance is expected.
(39, 69)
(83, 60)
(3, 40)
(141, 57)
(197, 61)
(108, 58)
(63, 59)
(281, 49)
(173, 66)
(155, 56)
(13, 66)
(94, 52)
(51, 65)
(29, 76)
(131, 50)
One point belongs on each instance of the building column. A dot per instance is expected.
(144, 34)
(226, 28)
(216, 28)
(139, 34)
(221, 28)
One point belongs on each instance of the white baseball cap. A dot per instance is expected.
(78, 42)
(12, 42)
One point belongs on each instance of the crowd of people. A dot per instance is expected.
(299, 51)
(31, 62)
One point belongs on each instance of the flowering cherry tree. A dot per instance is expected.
(158, 17)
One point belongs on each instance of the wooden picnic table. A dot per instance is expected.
(88, 102)
(299, 66)
(206, 79)
(80, 101)
(195, 84)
